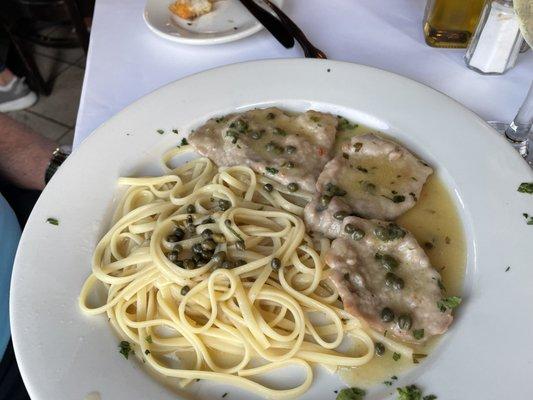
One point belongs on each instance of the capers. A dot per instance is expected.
(380, 348)
(179, 233)
(292, 187)
(389, 279)
(197, 248)
(240, 262)
(227, 264)
(268, 187)
(389, 232)
(240, 125)
(290, 149)
(209, 245)
(405, 322)
(189, 264)
(398, 284)
(387, 315)
(275, 264)
(349, 228)
(388, 262)
(219, 257)
(179, 263)
(256, 135)
(191, 209)
(398, 198)
(173, 256)
(184, 290)
(207, 233)
(340, 215)
(224, 205)
(173, 238)
(394, 281)
(324, 200)
(240, 245)
(334, 190)
(358, 234)
(273, 147)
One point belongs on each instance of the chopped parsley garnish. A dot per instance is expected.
(387, 383)
(526, 187)
(353, 393)
(394, 377)
(125, 349)
(219, 120)
(441, 285)
(225, 394)
(149, 339)
(175, 131)
(449, 303)
(314, 118)
(345, 125)
(147, 352)
(160, 131)
(412, 392)
(184, 142)
(507, 269)
(396, 356)
(271, 170)
(418, 334)
(52, 221)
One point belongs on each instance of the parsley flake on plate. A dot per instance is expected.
(52, 221)
(353, 393)
(526, 187)
(125, 349)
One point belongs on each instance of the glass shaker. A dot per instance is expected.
(497, 40)
(451, 23)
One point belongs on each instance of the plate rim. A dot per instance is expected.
(232, 37)
(100, 130)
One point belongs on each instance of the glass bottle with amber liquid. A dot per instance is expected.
(451, 23)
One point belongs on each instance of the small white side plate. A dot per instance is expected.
(228, 21)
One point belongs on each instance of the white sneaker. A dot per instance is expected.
(16, 95)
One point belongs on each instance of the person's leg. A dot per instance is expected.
(11, 384)
(14, 93)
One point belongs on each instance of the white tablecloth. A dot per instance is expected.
(127, 61)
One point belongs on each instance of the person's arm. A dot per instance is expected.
(24, 154)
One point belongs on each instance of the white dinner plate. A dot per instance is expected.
(228, 21)
(488, 352)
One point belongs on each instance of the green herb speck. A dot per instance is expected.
(396, 356)
(52, 221)
(271, 170)
(125, 349)
(160, 131)
(449, 303)
(353, 393)
(149, 339)
(526, 187)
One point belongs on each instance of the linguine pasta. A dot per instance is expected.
(270, 306)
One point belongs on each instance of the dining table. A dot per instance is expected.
(127, 61)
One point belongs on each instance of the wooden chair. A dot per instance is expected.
(20, 19)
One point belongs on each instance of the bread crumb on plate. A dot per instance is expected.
(190, 9)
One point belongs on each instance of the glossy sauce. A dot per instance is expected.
(436, 224)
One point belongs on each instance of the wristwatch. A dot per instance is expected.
(58, 157)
